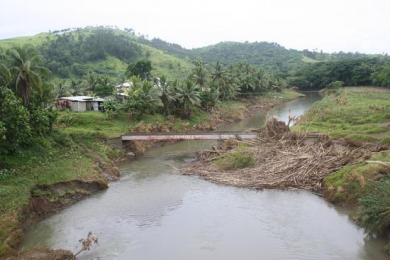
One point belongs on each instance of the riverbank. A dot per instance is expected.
(339, 149)
(80, 151)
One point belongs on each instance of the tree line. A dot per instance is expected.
(204, 88)
(352, 72)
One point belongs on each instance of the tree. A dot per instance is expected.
(5, 75)
(60, 89)
(224, 81)
(199, 74)
(103, 86)
(188, 97)
(15, 122)
(26, 68)
(166, 95)
(92, 81)
(145, 101)
(141, 69)
(76, 87)
(209, 97)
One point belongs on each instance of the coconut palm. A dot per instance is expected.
(76, 87)
(166, 95)
(25, 67)
(199, 74)
(188, 97)
(5, 75)
(224, 81)
(60, 89)
(92, 81)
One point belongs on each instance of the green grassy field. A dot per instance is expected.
(356, 113)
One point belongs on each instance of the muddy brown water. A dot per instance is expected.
(153, 212)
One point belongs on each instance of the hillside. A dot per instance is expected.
(72, 53)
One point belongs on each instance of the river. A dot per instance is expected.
(153, 212)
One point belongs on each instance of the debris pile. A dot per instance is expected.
(283, 160)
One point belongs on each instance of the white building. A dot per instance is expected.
(81, 103)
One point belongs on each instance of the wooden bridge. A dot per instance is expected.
(212, 135)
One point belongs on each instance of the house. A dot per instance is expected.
(80, 103)
(123, 88)
(121, 91)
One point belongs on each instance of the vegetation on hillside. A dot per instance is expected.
(72, 53)
(366, 71)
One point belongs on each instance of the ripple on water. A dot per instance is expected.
(154, 213)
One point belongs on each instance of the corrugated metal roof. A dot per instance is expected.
(82, 98)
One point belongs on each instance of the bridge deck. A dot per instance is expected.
(213, 135)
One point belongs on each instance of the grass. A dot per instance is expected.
(47, 161)
(163, 63)
(236, 159)
(374, 213)
(166, 64)
(94, 123)
(356, 113)
(72, 151)
(353, 181)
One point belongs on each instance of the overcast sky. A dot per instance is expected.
(330, 25)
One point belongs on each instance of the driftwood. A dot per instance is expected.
(87, 243)
(283, 160)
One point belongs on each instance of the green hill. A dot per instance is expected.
(72, 53)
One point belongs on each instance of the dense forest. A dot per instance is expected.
(350, 72)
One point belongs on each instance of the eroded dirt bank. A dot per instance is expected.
(46, 200)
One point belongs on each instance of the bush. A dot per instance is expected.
(112, 107)
(374, 213)
(15, 128)
(143, 103)
(209, 98)
(41, 121)
(237, 159)
(335, 85)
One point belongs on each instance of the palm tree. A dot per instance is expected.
(224, 81)
(5, 75)
(25, 67)
(188, 98)
(166, 95)
(92, 81)
(199, 74)
(76, 87)
(60, 89)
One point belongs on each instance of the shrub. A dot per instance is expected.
(374, 213)
(335, 85)
(237, 159)
(112, 107)
(15, 129)
(41, 121)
